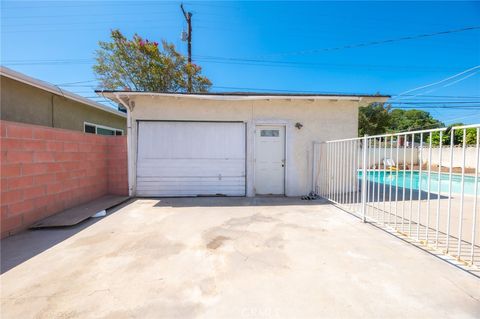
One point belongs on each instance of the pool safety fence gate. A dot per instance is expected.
(423, 186)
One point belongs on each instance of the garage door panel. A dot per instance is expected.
(184, 167)
(205, 140)
(191, 158)
(175, 193)
(192, 187)
(188, 187)
(192, 168)
(193, 181)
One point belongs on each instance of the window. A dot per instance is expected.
(90, 129)
(105, 131)
(269, 133)
(101, 130)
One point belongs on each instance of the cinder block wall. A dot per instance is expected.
(46, 170)
(117, 165)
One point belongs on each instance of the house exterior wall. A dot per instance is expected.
(322, 119)
(24, 103)
(46, 170)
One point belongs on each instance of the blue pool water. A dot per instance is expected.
(420, 182)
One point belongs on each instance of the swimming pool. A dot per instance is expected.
(421, 182)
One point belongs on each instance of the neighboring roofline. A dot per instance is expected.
(243, 94)
(17, 76)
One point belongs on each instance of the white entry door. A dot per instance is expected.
(270, 160)
(190, 159)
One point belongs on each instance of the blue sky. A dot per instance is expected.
(267, 46)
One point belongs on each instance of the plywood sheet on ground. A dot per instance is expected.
(77, 214)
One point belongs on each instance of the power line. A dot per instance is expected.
(70, 83)
(79, 85)
(461, 79)
(48, 62)
(474, 107)
(461, 118)
(435, 102)
(77, 5)
(407, 102)
(436, 83)
(448, 84)
(276, 90)
(370, 43)
(89, 16)
(106, 28)
(442, 96)
(8, 26)
(222, 61)
(276, 63)
(232, 61)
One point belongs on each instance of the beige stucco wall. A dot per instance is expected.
(24, 103)
(322, 119)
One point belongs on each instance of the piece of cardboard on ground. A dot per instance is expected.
(77, 214)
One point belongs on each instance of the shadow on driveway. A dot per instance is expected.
(21, 247)
(236, 201)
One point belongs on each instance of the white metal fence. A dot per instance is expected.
(393, 180)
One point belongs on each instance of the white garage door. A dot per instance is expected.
(190, 159)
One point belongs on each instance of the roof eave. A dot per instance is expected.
(112, 94)
(17, 76)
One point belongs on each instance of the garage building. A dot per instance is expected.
(230, 144)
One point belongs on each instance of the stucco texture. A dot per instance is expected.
(322, 119)
(24, 103)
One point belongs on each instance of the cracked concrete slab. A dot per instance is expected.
(229, 258)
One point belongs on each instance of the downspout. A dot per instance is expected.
(53, 104)
(129, 105)
(53, 108)
(314, 168)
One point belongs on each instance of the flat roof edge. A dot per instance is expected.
(241, 94)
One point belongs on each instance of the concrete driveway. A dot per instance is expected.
(228, 258)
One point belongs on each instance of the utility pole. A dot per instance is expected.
(188, 18)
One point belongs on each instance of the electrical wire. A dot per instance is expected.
(435, 102)
(71, 83)
(210, 60)
(371, 43)
(295, 64)
(439, 107)
(461, 79)
(398, 96)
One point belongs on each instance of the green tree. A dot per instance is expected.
(412, 120)
(436, 138)
(408, 120)
(378, 118)
(470, 134)
(373, 119)
(140, 65)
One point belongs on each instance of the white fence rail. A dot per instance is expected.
(426, 193)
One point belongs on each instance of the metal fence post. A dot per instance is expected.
(335, 160)
(364, 179)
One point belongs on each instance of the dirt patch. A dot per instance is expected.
(217, 242)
